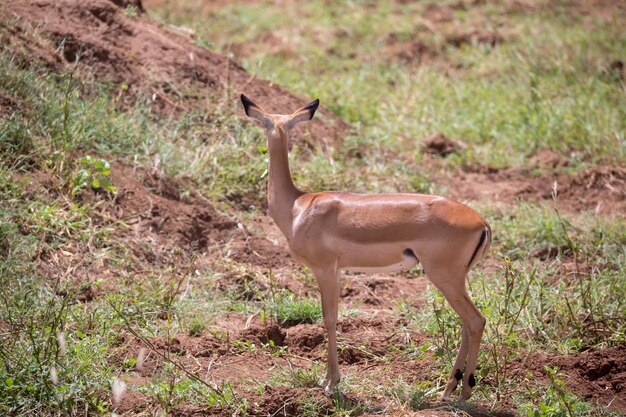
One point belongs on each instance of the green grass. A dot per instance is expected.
(289, 310)
(544, 85)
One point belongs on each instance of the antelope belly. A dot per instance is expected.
(407, 263)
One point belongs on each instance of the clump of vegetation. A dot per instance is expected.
(289, 310)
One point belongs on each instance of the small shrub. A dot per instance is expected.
(94, 173)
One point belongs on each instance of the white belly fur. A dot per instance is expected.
(406, 264)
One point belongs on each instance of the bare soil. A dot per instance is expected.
(599, 190)
(149, 62)
(598, 376)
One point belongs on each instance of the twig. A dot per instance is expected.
(163, 356)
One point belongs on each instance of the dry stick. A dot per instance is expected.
(574, 249)
(165, 357)
(186, 273)
(523, 302)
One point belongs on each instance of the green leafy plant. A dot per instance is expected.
(557, 401)
(93, 173)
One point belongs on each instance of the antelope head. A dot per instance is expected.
(275, 123)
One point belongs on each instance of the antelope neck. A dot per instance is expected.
(282, 193)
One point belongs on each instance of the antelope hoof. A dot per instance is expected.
(465, 394)
(447, 393)
(328, 386)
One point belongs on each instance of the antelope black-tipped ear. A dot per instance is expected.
(303, 114)
(247, 103)
(254, 111)
(312, 107)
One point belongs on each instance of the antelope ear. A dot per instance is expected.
(303, 114)
(254, 111)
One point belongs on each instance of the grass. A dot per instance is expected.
(555, 282)
(288, 310)
(544, 85)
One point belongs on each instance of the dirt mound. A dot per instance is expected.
(305, 338)
(598, 375)
(601, 190)
(473, 37)
(263, 335)
(409, 51)
(153, 207)
(151, 204)
(157, 64)
(440, 145)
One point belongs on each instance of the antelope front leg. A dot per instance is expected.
(328, 281)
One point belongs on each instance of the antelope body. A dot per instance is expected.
(333, 231)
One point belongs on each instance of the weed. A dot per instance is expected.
(300, 377)
(557, 400)
(196, 327)
(94, 173)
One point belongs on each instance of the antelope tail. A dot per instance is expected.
(483, 244)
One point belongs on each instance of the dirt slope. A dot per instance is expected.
(118, 43)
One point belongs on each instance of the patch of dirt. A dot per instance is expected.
(601, 190)
(260, 251)
(598, 376)
(152, 207)
(306, 338)
(378, 334)
(475, 37)
(438, 144)
(153, 63)
(151, 204)
(409, 51)
(263, 335)
(285, 401)
(436, 13)
(375, 292)
(605, 9)
(7, 105)
(133, 402)
(361, 339)
(369, 347)
(242, 286)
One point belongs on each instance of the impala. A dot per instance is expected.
(332, 231)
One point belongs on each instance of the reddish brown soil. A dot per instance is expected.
(598, 376)
(152, 63)
(366, 347)
(600, 190)
(440, 145)
(150, 203)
